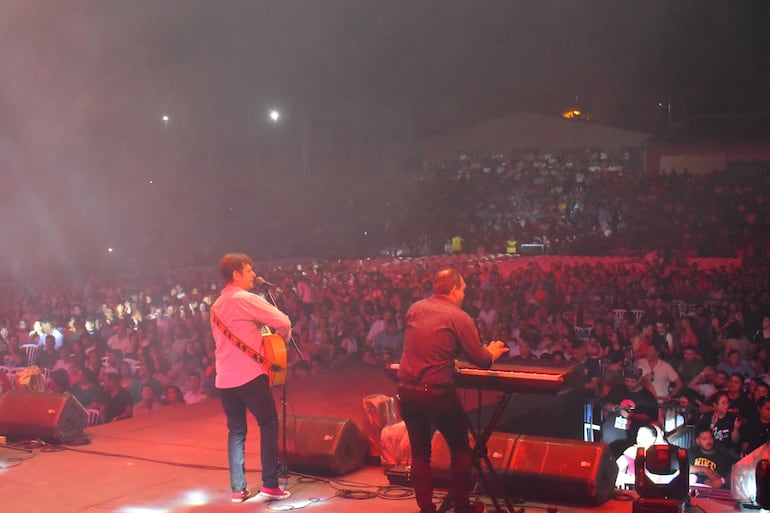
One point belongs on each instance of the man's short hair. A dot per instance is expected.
(631, 372)
(702, 428)
(62, 378)
(445, 280)
(231, 263)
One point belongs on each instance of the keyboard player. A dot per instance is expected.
(436, 332)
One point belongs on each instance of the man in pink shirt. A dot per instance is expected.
(237, 318)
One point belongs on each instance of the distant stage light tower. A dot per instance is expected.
(275, 115)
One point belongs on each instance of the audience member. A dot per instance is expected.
(733, 364)
(87, 390)
(659, 375)
(627, 406)
(174, 396)
(756, 431)
(119, 404)
(195, 394)
(389, 339)
(647, 436)
(149, 404)
(725, 425)
(710, 463)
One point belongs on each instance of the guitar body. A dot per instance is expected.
(275, 352)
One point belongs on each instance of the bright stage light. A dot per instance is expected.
(662, 479)
(275, 116)
(195, 498)
(143, 509)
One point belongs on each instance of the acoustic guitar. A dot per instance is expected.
(274, 350)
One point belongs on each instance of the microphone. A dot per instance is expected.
(259, 280)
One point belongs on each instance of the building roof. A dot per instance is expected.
(528, 130)
(743, 129)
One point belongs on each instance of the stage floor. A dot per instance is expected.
(176, 461)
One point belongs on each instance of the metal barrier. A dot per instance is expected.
(591, 431)
(683, 436)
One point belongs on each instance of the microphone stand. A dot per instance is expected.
(284, 467)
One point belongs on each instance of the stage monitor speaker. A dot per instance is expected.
(560, 470)
(55, 418)
(328, 445)
(499, 450)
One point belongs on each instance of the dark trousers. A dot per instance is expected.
(422, 411)
(256, 397)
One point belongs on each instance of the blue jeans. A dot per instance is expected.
(422, 411)
(257, 397)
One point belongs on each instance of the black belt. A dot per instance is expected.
(427, 387)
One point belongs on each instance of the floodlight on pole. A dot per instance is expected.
(274, 116)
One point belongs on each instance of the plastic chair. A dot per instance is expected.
(133, 364)
(31, 350)
(10, 373)
(617, 315)
(94, 416)
(583, 332)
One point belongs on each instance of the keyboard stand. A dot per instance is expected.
(490, 480)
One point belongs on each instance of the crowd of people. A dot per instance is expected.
(582, 202)
(658, 321)
(570, 202)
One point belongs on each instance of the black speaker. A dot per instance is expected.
(56, 418)
(328, 445)
(499, 450)
(560, 470)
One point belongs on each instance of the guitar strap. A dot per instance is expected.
(240, 344)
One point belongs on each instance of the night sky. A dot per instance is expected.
(88, 163)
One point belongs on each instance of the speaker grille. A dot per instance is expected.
(561, 470)
(325, 444)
